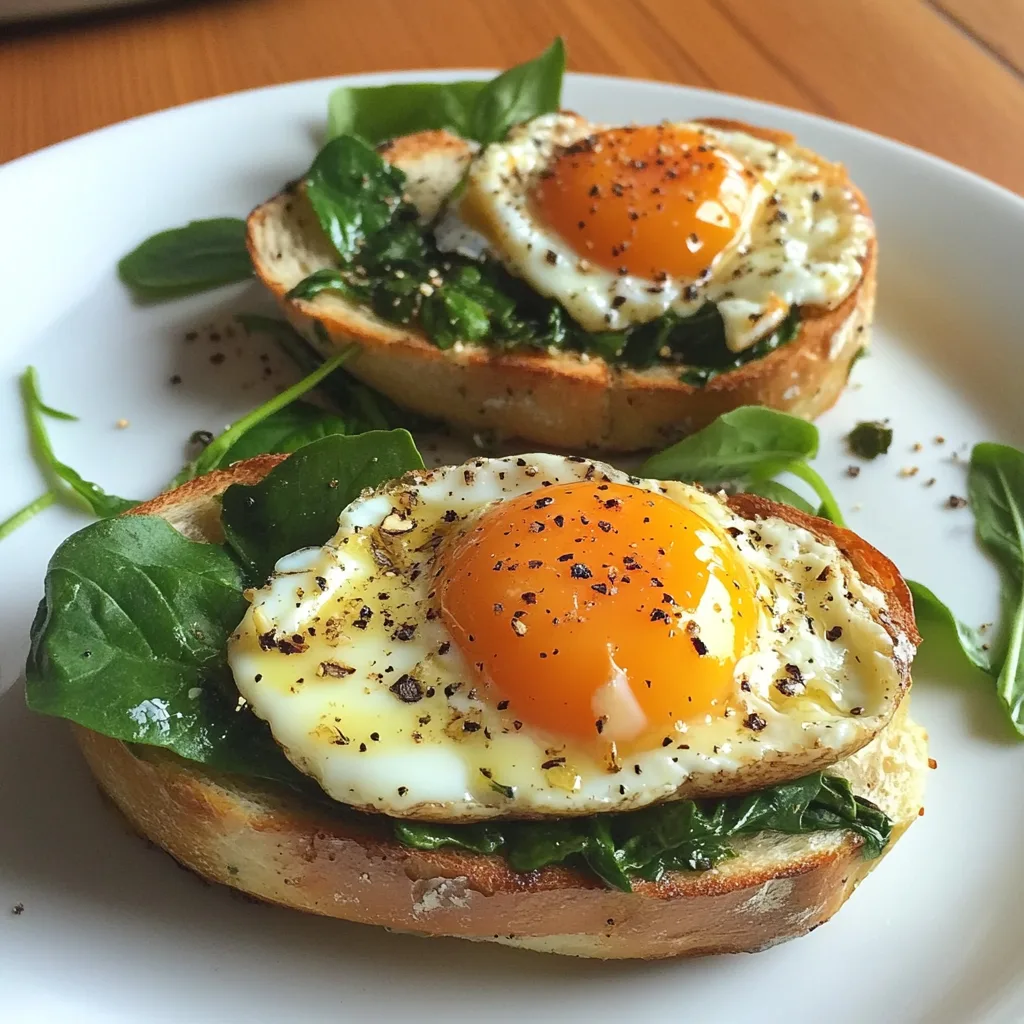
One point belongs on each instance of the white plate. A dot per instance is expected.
(112, 931)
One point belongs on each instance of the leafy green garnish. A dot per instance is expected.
(131, 641)
(297, 504)
(995, 485)
(324, 280)
(869, 439)
(476, 110)
(204, 254)
(219, 452)
(354, 193)
(747, 447)
(286, 430)
(25, 513)
(65, 482)
(934, 619)
(680, 835)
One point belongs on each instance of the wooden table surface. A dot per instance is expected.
(945, 75)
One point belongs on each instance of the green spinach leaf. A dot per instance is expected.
(219, 452)
(780, 492)
(354, 193)
(286, 430)
(65, 482)
(521, 93)
(935, 620)
(298, 503)
(996, 489)
(749, 442)
(479, 110)
(204, 254)
(131, 641)
(679, 835)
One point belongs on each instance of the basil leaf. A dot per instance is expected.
(751, 441)
(519, 94)
(353, 192)
(204, 254)
(65, 482)
(286, 430)
(476, 110)
(131, 641)
(935, 620)
(298, 503)
(995, 484)
(780, 492)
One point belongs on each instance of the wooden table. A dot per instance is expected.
(945, 75)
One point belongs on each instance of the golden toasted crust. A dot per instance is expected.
(564, 401)
(280, 847)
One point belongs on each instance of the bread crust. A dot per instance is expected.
(563, 401)
(280, 847)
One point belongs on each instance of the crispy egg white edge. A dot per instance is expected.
(440, 777)
(807, 249)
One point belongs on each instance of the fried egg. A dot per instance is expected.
(621, 225)
(545, 635)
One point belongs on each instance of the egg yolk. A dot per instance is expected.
(654, 202)
(599, 611)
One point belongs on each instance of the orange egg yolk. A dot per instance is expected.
(599, 611)
(654, 202)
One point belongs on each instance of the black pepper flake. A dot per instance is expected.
(580, 572)
(637, 769)
(529, 597)
(559, 521)
(554, 762)
(613, 503)
(754, 721)
(502, 705)
(660, 616)
(543, 502)
(375, 736)
(857, 711)
(366, 613)
(362, 748)
(566, 558)
(404, 632)
(402, 790)
(444, 648)
(534, 563)
(834, 633)
(956, 502)
(599, 724)
(407, 689)
(698, 645)
(667, 741)
(601, 588)
(604, 526)
(450, 516)
(471, 727)
(551, 256)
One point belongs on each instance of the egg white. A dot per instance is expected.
(323, 649)
(801, 240)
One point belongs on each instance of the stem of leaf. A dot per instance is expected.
(213, 454)
(829, 506)
(23, 515)
(1008, 682)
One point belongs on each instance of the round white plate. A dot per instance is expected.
(111, 930)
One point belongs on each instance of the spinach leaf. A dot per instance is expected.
(298, 503)
(935, 620)
(869, 439)
(380, 112)
(65, 482)
(475, 110)
(521, 93)
(218, 453)
(286, 430)
(25, 513)
(204, 254)
(450, 316)
(679, 835)
(131, 641)
(829, 508)
(749, 442)
(995, 485)
(354, 193)
(780, 492)
(358, 404)
(324, 280)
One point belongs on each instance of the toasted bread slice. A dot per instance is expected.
(564, 401)
(270, 843)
